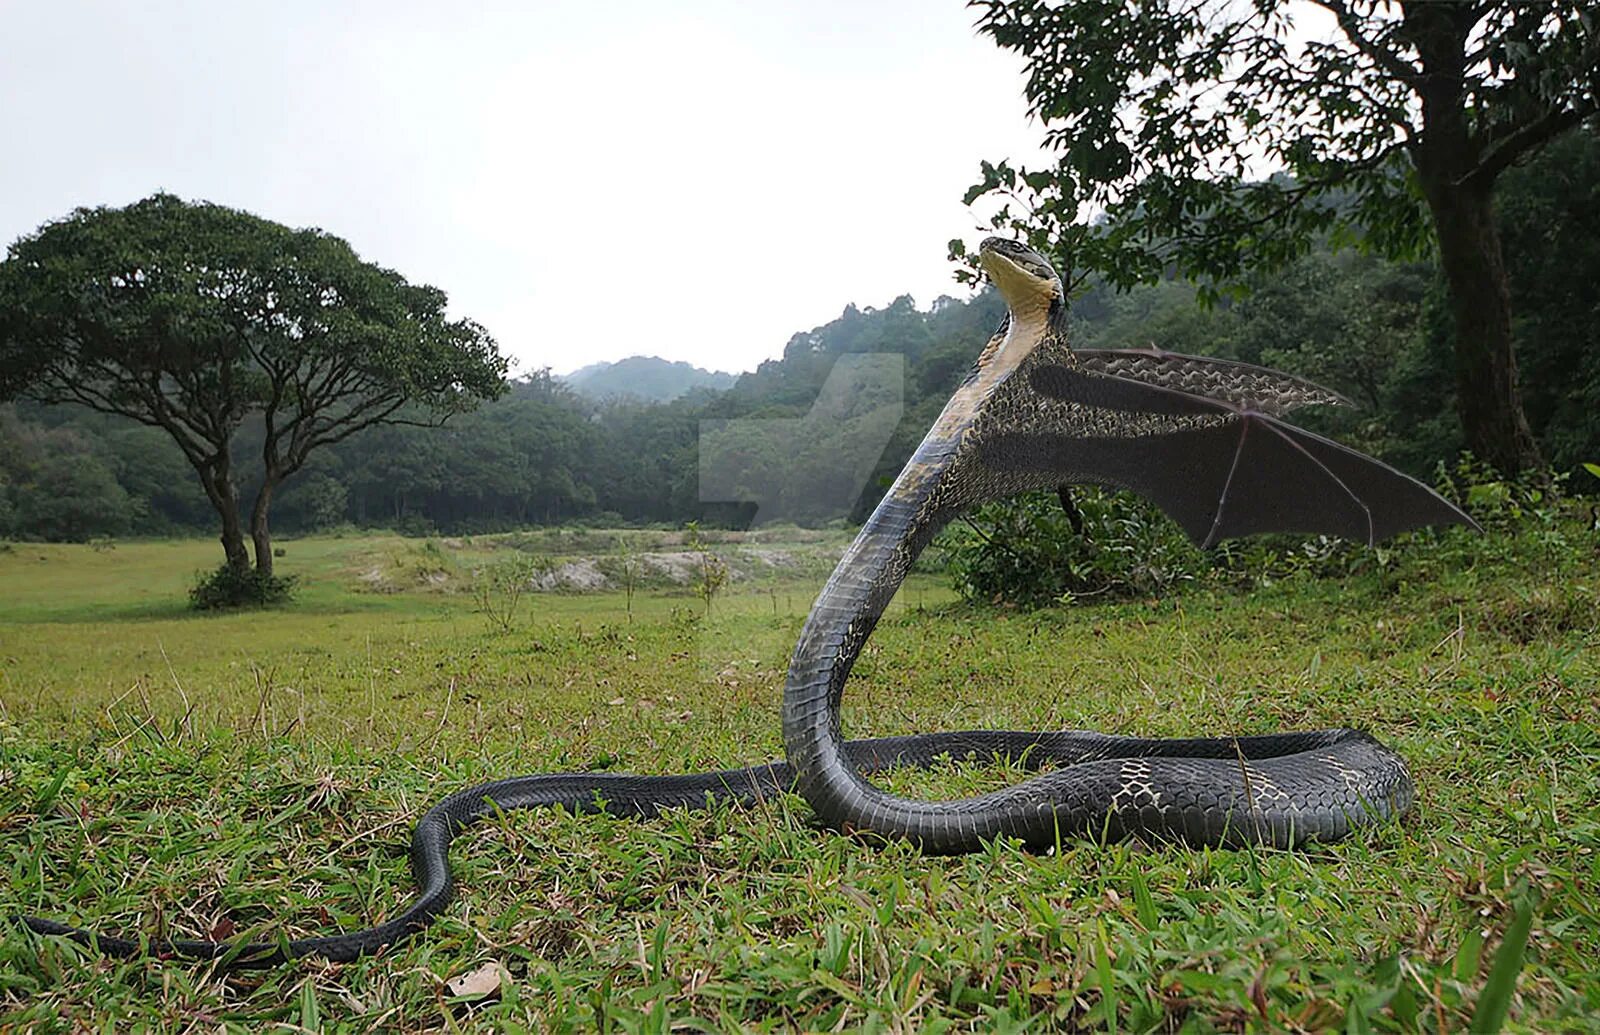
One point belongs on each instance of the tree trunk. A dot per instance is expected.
(233, 535)
(260, 534)
(218, 483)
(1487, 395)
(1445, 156)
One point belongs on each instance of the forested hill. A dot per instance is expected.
(806, 448)
(644, 378)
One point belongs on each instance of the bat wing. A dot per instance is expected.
(1219, 468)
(1244, 384)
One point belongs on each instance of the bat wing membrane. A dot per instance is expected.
(1218, 468)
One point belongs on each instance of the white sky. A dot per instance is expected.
(589, 180)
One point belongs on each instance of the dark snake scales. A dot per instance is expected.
(1198, 436)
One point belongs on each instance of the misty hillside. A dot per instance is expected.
(648, 378)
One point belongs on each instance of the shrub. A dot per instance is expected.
(415, 526)
(229, 587)
(1496, 502)
(713, 573)
(1029, 551)
(498, 588)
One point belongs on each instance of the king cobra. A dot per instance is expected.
(1201, 438)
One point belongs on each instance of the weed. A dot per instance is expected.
(498, 587)
(711, 572)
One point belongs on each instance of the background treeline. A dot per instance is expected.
(1378, 331)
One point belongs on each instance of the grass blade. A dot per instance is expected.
(1495, 999)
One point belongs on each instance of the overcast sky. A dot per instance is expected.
(588, 180)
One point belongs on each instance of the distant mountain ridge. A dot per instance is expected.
(649, 378)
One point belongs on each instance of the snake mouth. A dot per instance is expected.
(1023, 276)
(1001, 253)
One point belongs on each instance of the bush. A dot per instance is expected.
(498, 588)
(1030, 552)
(1496, 502)
(229, 587)
(415, 526)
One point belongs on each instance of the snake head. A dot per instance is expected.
(1024, 278)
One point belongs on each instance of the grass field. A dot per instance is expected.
(163, 771)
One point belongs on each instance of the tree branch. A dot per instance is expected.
(1522, 140)
(1303, 189)
(1386, 60)
(328, 438)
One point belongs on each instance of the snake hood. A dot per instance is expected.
(1033, 332)
(1036, 309)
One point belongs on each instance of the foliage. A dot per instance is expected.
(814, 467)
(1549, 215)
(1160, 114)
(1166, 117)
(56, 484)
(1494, 1002)
(645, 379)
(1031, 552)
(1499, 503)
(228, 587)
(192, 317)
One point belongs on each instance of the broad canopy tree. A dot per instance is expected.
(193, 318)
(1165, 114)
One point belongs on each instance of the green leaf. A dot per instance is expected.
(1494, 1002)
(310, 1015)
(1404, 1006)
(1108, 988)
(1593, 469)
(1466, 961)
(52, 792)
(1355, 1018)
(1143, 904)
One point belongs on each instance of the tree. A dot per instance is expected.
(192, 318)
(1550, 210)
(1165, 113)
(60, 486)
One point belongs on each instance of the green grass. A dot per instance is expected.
(260, 772)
